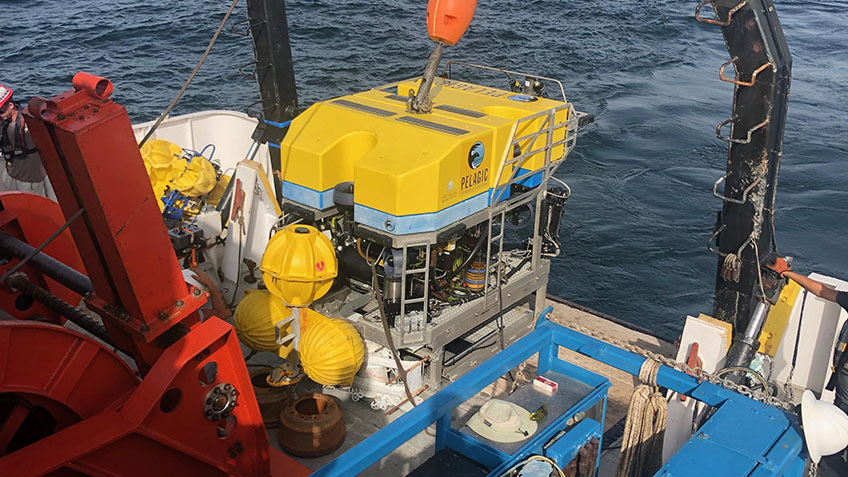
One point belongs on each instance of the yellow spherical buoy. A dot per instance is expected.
(255, 322)
(158, 156)
(299, 265)
(194, 178)
(331, 350)
(166, 167)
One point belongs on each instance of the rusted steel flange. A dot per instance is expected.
(271, 399)
(311, 426)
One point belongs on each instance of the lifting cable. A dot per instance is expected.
(191, 77)
(379, 296)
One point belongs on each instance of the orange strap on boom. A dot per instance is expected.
(447, 20)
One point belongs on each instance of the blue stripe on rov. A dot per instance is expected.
(417, 223)
(405, 224)
(306, 196)
(527, 180)
(530, 181)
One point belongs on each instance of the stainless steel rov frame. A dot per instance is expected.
(457, 337)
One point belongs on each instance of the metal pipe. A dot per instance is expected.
(758, 318)
(47, 265)
(422, 104)
(20, 283)
(743, 349)
(52, 237)
(254, 148)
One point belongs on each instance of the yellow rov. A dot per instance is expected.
(416, 201)
(419, 173)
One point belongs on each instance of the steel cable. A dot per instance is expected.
(191, 77)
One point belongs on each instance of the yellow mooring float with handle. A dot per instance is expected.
(256, 319)
(331, 350)
(299, 265)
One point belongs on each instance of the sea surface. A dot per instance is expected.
(636, 228)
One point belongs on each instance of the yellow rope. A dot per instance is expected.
(644, 429)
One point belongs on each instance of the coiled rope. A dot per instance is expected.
(644, 429)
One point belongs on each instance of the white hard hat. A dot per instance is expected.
(825, 427)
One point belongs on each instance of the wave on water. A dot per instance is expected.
(635, 233)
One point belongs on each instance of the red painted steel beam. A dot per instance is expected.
(92, 158)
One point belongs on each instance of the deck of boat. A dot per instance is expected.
(361, 421)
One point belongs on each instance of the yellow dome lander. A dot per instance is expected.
(166, 167)
(195, 178)
(299, 265)
(331, 350)
(256, 319)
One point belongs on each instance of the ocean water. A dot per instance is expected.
(636, 228)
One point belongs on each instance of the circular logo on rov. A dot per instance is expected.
(476, 154)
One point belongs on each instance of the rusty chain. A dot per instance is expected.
(698, 373)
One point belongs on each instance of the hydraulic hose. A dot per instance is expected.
(20, 282)
(46, 264)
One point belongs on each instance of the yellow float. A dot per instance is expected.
(255, 322)
(331, 350)
(299, 265)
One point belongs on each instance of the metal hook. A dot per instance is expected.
(722, 254)
(716, 22)
(251, 75)
(739, 141)
(246, 32)
(736, 81)
(235, 25)
(745, 244)
(713, 237)
(730, 199)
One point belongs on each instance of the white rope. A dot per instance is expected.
(644, 429)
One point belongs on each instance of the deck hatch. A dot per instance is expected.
(363, 107)
(462, 111)
(430, 124)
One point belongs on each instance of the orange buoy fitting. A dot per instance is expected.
(94, 85)
(299, 265)
(447, 20)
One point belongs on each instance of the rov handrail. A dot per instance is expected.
(549, 127)
(448, 71)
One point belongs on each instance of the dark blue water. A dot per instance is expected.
(637, 226)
